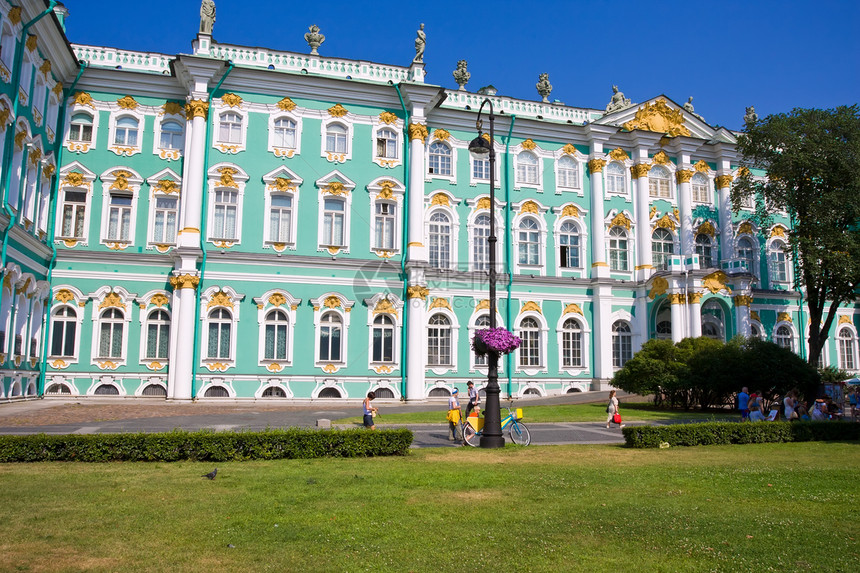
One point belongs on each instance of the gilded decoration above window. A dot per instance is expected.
(662, 158)
(573, 308)
(337, 110)
(111, 300)
(232, 100)
(286, 104)
(442, 134)
(707, 228)
(716, 281)
(701, 166)
(658, 286)
(387, 117)
(529, 207)
(531, 306)
(127, 102)
(529, 144)
(220, 298)
(618, 154)
(620, 220)
(172, 108)
(440, 199)
(570, 211)
(166, 186)
(227, 174)
(568, 149)
(746, 228)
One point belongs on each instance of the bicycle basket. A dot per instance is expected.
(519, 413)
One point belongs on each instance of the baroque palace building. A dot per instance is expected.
(249, 223)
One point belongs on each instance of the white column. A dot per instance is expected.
(192, 174)
(640, 321)
(644, 269)
(683, 177)
(694, 306)
(184, 299)
(602, 334)
(742, 314)
(679, 329)
(724, 185)
(416, 341)
(416, 249)
(599, 268)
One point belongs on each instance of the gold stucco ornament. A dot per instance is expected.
(660, 118)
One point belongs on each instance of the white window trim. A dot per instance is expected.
(124, 150)
(346, 193)
(673, 191)
(519, 185)
(441, 369)
(455, 225)
(579, 221)
(473, 321)
(450, 142)
(207, 305)
(216, 180)
(581, 163)
(109, 178)
(856, 344)
(223, 146)
(631, 242)
(156, 191)
(789, 271)
(272, 187)
(392, 302)
(625, 173)
(282, 152)
(676, 241)
(709, 189)
(163, 153)
(474, 181)
(332, 157)
(76, 304)
(397, 127)
(52, 111)
(97, 299)
(791, 329)
(470, 226)
(386, 190)
(322, 305)
(544, 336)
(756, 248)
(635, 337)
(515, 239)
(266, 304)
(147, 307)
(586, 338)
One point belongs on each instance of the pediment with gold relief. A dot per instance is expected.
(662, 115)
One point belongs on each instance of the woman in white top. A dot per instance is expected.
(612, 408)
(789, 403)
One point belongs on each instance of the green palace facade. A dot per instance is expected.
(248, 223)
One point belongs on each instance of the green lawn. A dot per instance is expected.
(630, 411)
(780, 507)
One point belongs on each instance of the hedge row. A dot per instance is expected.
(292, 443)
(707, 433)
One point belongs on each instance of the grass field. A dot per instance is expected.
(631, 411)
(770, 507)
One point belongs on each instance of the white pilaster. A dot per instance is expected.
(602, 330)
(193, 176)
(685, 207)
(694, 307)
(742, 314)
(725, 213)
(416, 340)
(599, 268)
(644, 268)
(416, 250)
(181, 360)
(676, 309)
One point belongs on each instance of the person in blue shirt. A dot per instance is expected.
(743, 404)
(369, 411)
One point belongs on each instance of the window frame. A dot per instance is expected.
(846, 348)
(563, 332)
(655, 190)
(105, 299)
(577, 173)
(701, 183)
(77, 320)
(705, 249)
(437, 144)
(336, 156)
(528, 175)
(622, 343)
(540, 331)
(160, 191)
(662, 253)
(622, 174)
(119, 182)
(124, 148)
(612, 262)
(777, 256)
(169, 153)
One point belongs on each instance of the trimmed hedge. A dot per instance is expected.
(707, 433)
(291, 443)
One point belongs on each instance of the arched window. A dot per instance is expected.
(280, 218)
(783, 337)
(158, 335)
(333, 222)
(699, 189)
(527, 168)
(568, 241)
(710, 330)
(568, 173)
(614, 178)
(335, 138)
(530, 346)
(777, 261)
(81, 127)
(664, 330)
(220, 324)
(119, 217)
(274, 392)
(383, 225)
(622, 343)
(847, 350)
(126, 131)
(529, 242)
(704, 250)
(111, 324)
(482, 323)
(618, 249)
(754, 331)
(285, 133)
(225, 213)
(64, 328)
(331, 335)
(277, 328)
(171, 135)
(386, 143)
(440, 240)
(439, 159)
(662, 247)
(746, 253)
(658, 182)
(439, 341)
(230, 128)
(571, 344)
(383, 339)
(480, 244)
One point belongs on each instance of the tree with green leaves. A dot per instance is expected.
(812, 160)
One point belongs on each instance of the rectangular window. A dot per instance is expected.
(530, 348)
(333, 220)
(157, 336)
(480, 168)
(164, 226)
(74, 211)
(700, 193)
(224, 215)
(383, 345)
(119, 218)
(280, 219)
(384, 226)
(571, 353)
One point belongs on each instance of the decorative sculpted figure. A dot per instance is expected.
(462, 75)
(544, 88)
(314, 39)
(420, 41)
(688, 107)
(750, 116)
(618, 101)
(207, 16)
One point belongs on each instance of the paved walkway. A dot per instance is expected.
(85, 415)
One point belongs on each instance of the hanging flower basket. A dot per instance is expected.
(498, 340)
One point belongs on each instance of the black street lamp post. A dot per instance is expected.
(491, 437)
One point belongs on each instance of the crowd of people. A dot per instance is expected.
(754, 408)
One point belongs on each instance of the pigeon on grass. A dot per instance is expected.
(211, 475)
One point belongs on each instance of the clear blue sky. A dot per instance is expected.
(727, 54)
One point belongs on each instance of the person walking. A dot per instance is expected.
(789, 403)
(474, 399)
(369, 411)
(454, 415)
(744, 404)
(612, 409)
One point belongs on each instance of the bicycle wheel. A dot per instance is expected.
(520, 434)
(470, 435)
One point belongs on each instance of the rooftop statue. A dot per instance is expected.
(618, 101)
(750, 116)
(461, 75)
(314, 39)
(420, 41)
(207, 16)
(544, 88)
(688, 107)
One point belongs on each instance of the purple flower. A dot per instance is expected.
(499, 340)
